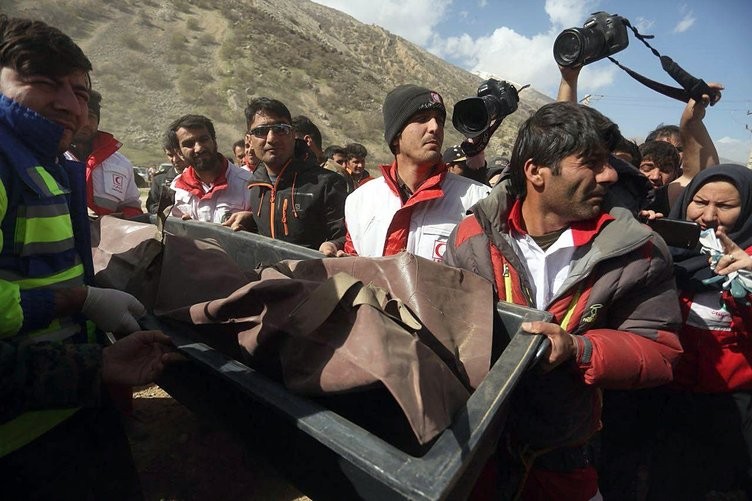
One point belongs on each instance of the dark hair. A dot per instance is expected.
(266, 106)
(95, 102)
(303, 125)
(554, 132)
(608, 130)
(334, 149)
(356, 150)
(630, 147)
(661, 153)
(170, 141)
(194, 122)
(662, 132)
(35, 48)
(238, 144)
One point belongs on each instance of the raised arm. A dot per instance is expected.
(568, 84)
(699, 150)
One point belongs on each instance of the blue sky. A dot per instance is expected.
(514, 39)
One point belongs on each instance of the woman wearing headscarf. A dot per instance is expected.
(707, 447)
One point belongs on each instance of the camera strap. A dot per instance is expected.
(692, 87)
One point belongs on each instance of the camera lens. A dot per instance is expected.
(471, 116)
(568, 47)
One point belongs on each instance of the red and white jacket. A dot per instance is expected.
(717, 342)
(211, 203)
(378, 224)
(110, 181)
(618, 299)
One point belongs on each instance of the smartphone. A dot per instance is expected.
(677, 232)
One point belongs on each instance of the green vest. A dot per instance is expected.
(34, 227)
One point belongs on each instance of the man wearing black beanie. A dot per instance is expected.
(416, 203)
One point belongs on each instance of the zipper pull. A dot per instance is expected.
(284, 215)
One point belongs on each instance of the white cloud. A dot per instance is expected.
(567, 13)
(644, 25)
(510, 55)
(504, 53)
(414, 20)
(734, 149)
(482, 3)
(685, 23)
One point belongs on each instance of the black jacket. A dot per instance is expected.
(160, 179)
(306, 207)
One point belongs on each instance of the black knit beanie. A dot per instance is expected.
(402, 103)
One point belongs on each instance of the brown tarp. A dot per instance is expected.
(336, 325)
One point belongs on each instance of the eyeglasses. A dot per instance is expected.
(263, 130)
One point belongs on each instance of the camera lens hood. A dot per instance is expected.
(568, 47)
(472, 116)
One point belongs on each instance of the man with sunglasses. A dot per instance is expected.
(291, 199)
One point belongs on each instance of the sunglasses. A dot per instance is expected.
(278, 129)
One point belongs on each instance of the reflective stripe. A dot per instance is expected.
(91, 332)
(570, 309)
(59, 330)
(44, 229)
(3, 207)
(71, 277)
(45, 182)
(106, 203)
(11, 314)
(508, 283)
(41, 248)
(28, 426)
(46, 210)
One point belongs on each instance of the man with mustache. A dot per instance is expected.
(356, 164)
(211, 188)
(547, 238)
(110, 180)
(60, 437)
(416, 203)
(292, 198)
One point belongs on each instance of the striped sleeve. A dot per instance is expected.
(11, 314)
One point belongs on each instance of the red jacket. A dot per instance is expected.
(716, 360)
(619, 299)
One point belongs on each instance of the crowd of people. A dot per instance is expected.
(645, 391)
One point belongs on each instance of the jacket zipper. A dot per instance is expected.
(273, 198)
(284, 215)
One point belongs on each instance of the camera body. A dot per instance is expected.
(496, 99)
(602, 35)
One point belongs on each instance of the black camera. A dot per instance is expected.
(496, 99)
(602, 35)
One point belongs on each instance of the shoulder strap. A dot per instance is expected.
(692, 87)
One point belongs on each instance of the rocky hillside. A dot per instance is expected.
(155, 60)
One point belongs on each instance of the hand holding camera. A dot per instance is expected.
(474, 115)
(602, 35)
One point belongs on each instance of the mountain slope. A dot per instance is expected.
(155, 60)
